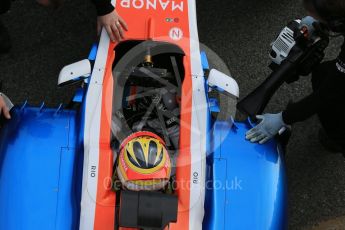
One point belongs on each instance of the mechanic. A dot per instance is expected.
(328, 97)
(107, 18)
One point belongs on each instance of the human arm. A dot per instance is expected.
(110, 20)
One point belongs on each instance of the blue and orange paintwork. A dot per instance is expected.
(41, 171)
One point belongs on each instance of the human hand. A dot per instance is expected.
(114, 25)
(3, 108)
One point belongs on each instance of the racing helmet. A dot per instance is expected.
(144, 162)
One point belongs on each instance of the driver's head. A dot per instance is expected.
(331, 12)
(144, 162)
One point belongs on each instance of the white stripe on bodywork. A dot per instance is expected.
(199, 126)
(92, 136)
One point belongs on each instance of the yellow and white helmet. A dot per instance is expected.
(144, 162)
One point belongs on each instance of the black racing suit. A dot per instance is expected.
(103, 7)
(327, 99)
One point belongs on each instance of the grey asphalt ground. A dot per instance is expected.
(240, 32)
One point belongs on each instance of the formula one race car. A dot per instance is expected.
(139, 147)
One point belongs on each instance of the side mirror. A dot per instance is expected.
(74, 72)
(224, 82)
